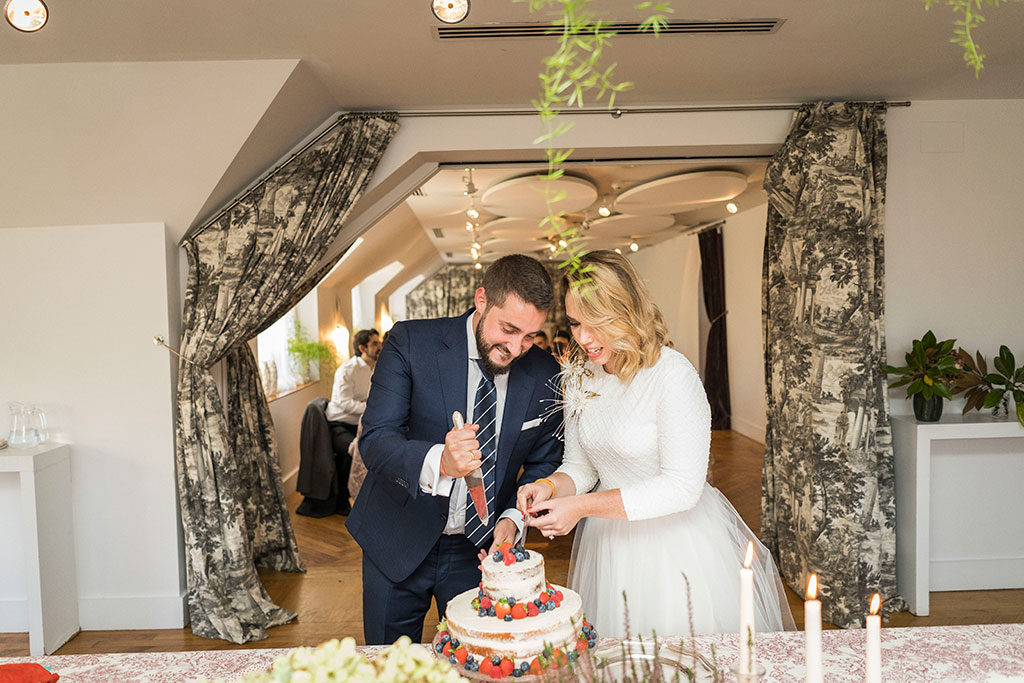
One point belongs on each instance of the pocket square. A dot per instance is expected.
(531, 424)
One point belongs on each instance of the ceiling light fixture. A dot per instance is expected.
(473, 213)
(470, 187)
(732, 207)
(605, 208)
(617, 250)
(450, 11)
(469, 225)
(633, 246)
(477, 265)
(26, 15)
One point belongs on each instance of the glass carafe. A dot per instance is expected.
(37, 422)
(22, 435)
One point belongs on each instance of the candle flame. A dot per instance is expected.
(812, 587)
(750, 555)
(876, 602)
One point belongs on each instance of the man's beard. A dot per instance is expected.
(484, 350)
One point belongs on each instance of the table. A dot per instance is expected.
(909, 655)
(957, 519)
(49, 544)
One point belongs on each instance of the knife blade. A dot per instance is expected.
(474, 480)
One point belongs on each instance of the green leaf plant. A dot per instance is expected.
(930, 370)
(573, 75)
(302, 350)
(984, 389)
(968, 17)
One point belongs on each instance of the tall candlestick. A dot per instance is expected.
(812, 631)
(747, 656)
(873, 670)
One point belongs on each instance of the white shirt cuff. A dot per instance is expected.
(431, 479)
(517, 519)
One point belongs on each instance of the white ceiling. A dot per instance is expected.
(385, 55)
(440, 207)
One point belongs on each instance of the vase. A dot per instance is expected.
(1001, 410)
(927, 409)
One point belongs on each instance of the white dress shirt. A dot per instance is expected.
(351, 387)
(437, 484)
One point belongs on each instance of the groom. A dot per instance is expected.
(419, 531)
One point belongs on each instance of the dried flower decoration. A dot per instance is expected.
(572, 394)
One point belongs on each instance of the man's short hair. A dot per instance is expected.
(362, 338)
(520, 275)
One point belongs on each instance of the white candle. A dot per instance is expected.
(873, 670)
(747, 657)
(812, 631)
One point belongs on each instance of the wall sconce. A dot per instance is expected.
(340, 336)
(450, 11)
(27, 16)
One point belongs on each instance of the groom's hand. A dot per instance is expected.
(461, 454)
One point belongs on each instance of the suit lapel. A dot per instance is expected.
(517, 400)
(452, 365)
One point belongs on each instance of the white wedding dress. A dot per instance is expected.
(651, 439)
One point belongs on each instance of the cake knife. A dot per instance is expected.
(474, 480)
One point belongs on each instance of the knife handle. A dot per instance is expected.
(457, 420)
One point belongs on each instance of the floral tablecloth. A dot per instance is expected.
(910, 655)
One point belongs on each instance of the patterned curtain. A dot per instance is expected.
(716, 363)
(449, 292)
(828, 504)
(245, 271)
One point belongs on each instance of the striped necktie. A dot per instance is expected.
(485, 414)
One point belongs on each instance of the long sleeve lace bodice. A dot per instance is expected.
(649, 438)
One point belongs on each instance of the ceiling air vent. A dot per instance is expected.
(438, 233)
(418, 192)
(623, 28)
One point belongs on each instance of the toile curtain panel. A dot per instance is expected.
(246, 270)
(828, 498)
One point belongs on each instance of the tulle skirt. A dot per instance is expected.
(652, 560)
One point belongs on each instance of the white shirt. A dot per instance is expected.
(351, 387)
(431, 479)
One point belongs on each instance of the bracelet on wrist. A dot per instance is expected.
(548, 482)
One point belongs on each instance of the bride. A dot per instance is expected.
(638, 426)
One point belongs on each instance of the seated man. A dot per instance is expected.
(348, 401)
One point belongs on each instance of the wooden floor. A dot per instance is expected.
(328, 597)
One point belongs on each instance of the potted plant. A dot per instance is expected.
(931, 368)
(984, 389)
(302, 351)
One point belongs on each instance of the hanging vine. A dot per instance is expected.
(574, 75)
(968, 17)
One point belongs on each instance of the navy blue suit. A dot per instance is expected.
(418, 382)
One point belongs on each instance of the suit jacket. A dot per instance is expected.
(419, 381)
(316, 453)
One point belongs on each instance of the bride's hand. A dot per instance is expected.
(555, 517)
(529, 495)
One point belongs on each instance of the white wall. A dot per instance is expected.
(743, 245)
(672, 272)
(80, 307)
(954, 234)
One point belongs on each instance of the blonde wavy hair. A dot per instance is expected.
(616, 303)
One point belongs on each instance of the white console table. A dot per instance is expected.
(49, 544)
(967, 505)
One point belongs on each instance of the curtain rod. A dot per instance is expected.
(619, 111)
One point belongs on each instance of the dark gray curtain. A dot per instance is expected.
(828, 504)
(246, 270)
(716, 360)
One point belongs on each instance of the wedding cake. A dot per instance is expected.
(515, 622)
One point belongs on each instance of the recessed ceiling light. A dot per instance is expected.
(26, 15)
(633, 246)
(450, 11)
(732, 207)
